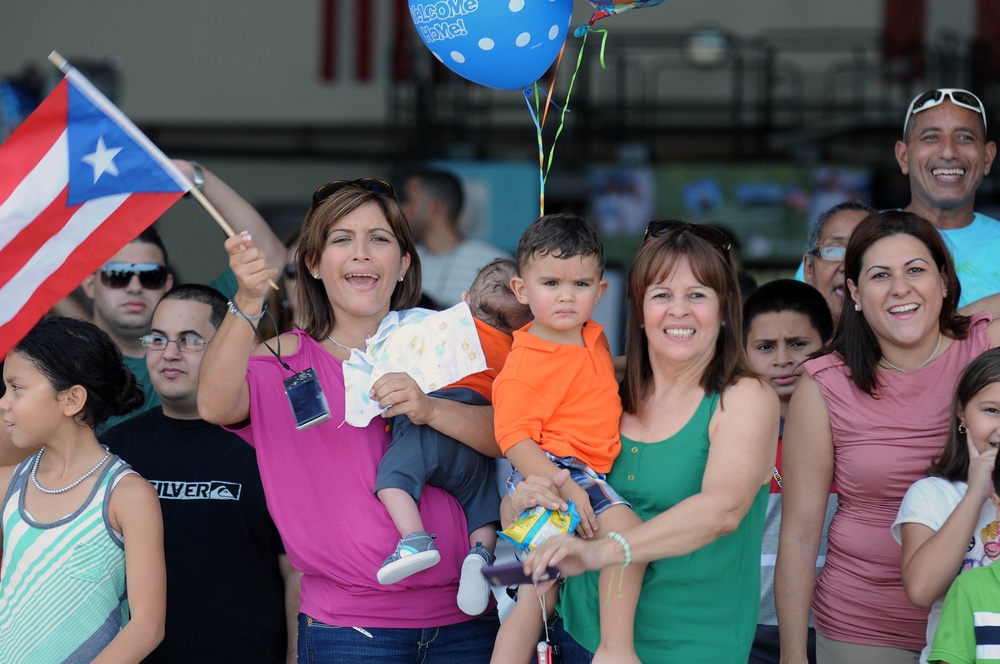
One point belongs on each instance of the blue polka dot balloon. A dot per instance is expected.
(504, 44)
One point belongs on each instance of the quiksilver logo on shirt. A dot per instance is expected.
(212, 490)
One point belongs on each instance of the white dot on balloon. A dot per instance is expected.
(553, 32)
(515, 5)
(457, 57)
(486, 44)
(438, 57)
(523, 39)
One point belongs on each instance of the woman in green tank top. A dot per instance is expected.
(698, 443)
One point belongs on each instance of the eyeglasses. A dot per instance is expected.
(291, 272)
(368, 184)
(184, 344)
(118, 275)
(834, 254)
(710, 234)
(933, 98)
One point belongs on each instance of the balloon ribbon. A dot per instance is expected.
(545, 166)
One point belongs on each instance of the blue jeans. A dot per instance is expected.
(469, 642)
(571, 651)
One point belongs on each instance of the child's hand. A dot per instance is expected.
(588, 520)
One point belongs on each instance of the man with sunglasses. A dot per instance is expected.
(127, 287)
(448, 261)
(946, 154)
(220, 545)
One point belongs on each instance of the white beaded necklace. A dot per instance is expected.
(34, 471)
(890, 365)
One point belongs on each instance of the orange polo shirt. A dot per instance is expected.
(563, 397)
(496, 346)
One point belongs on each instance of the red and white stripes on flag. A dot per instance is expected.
(78, 181)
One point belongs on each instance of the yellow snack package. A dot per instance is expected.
(538, 524)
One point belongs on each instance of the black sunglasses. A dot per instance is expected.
(373, 185)
(710, 234)
(118, 275)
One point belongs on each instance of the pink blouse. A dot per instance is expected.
(881, 446)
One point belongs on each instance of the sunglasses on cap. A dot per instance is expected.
(368, 184)
(118, 275)
(710, 234)
(933, 98)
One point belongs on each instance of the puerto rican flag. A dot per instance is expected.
(78, 181)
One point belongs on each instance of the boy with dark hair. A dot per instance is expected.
(557, 406)
(784, 321)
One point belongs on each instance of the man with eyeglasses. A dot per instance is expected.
(228, 578)
(127, 287)
(823, 262)
(946, 154)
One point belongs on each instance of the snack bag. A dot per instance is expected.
(538, 524)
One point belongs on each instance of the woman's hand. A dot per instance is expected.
(571, 555)
(980, 471)
(399, 394)
(250, 266)
(537, 490)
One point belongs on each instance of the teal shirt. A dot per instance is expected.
(699, 607)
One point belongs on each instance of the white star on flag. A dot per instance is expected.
(102, 159)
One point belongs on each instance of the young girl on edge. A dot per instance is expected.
(946, 523)
(81, 531)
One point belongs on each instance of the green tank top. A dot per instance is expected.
(700, 607)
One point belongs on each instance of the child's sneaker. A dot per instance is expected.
(473, 589)
(414, 553)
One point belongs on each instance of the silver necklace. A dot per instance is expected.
(34, 471)
(923, 364)
(340, 345)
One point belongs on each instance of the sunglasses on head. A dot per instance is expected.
(710, 234)
(373, 185)
(118, 275)
(933, 98)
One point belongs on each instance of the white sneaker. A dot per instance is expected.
(473, 588)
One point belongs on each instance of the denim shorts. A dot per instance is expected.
(469, 642)
(602, 496)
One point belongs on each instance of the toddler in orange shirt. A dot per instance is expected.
(557, 406)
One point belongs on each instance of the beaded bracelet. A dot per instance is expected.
(626, 549)
(234, 310)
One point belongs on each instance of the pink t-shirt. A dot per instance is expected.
(319, 482)
(881, 447)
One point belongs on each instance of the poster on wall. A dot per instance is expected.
(768, 207)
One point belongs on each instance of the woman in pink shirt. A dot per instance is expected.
(870, 416)
(356, 263)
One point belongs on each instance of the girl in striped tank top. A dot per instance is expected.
(82, 577)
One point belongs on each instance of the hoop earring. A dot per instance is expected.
(962, 429)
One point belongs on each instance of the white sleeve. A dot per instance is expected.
(929, 502)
